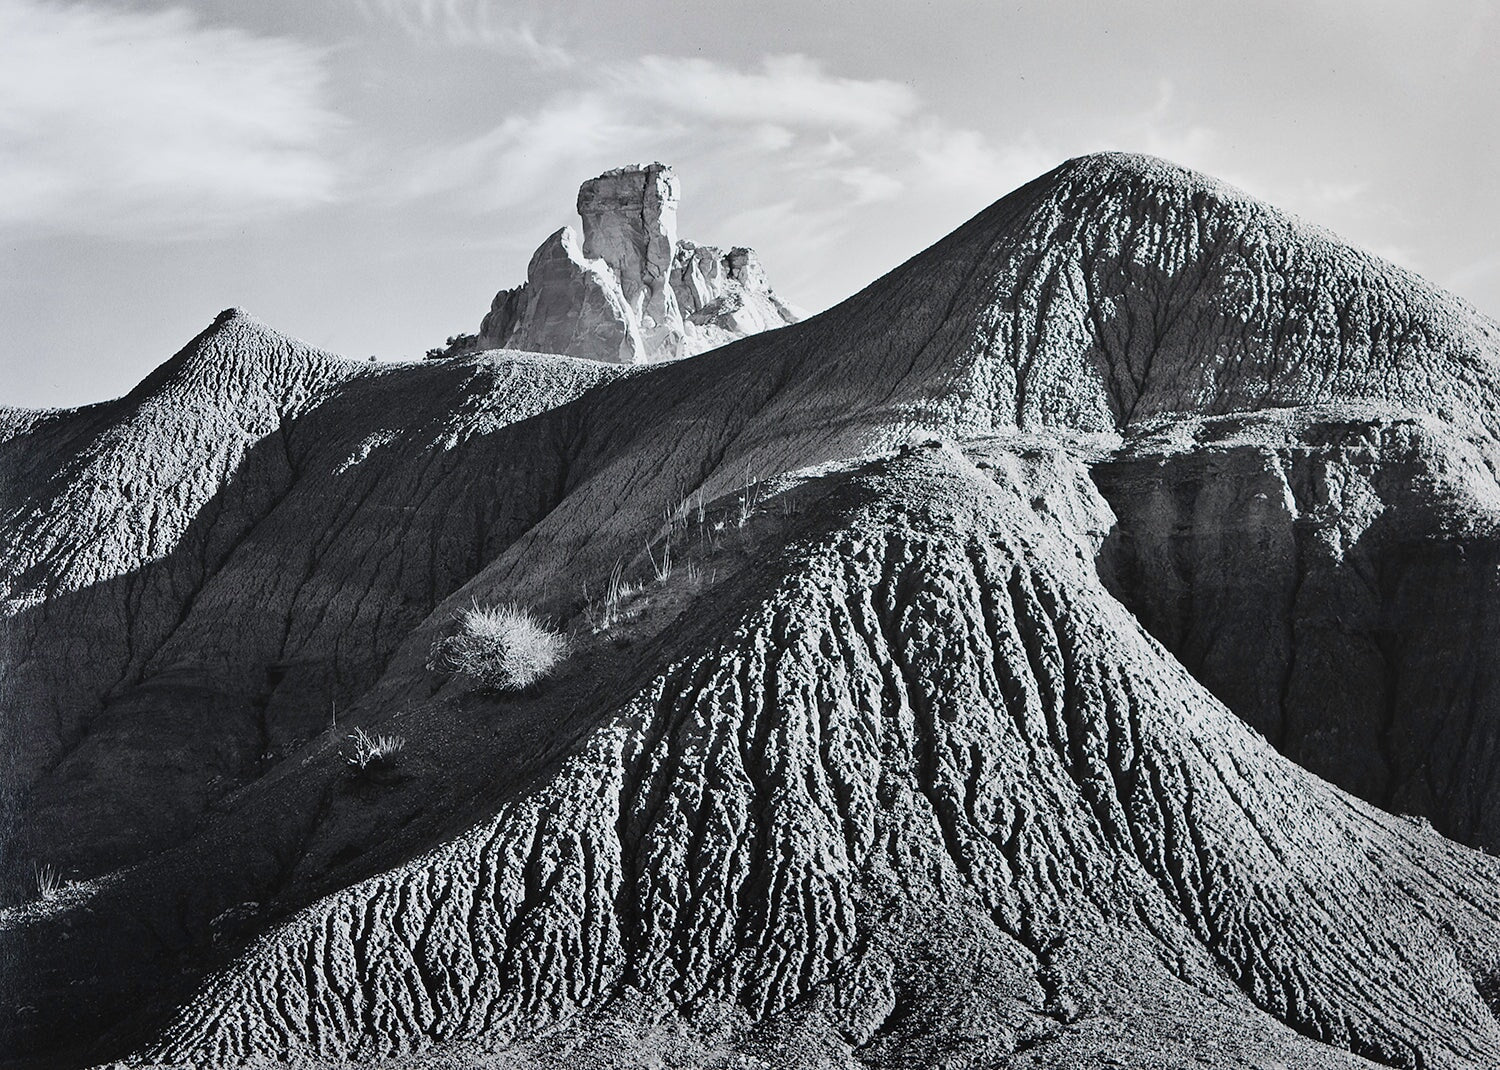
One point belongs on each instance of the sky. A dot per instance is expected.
(365, 174)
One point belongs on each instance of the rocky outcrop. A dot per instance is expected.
(632, 292)
(570, 304)
(630, 222)
(724, 296)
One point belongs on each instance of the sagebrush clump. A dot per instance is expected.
(500, 648)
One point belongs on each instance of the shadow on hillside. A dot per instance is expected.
(233, 662)
(1372, 667)
(234, 657)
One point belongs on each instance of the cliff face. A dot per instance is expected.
(570, 304)
(978, 650)
(1276, 553)
(630, 222)
(633, 291)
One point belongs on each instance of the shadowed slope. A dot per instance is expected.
(1276, 552)
(203, 569)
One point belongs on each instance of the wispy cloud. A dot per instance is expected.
(528, 154)
(958, 160)
(126, 123)
(790, 90)
(839, 143)
(810, 160)
(471, 24)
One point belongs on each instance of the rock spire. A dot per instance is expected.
(631, 291)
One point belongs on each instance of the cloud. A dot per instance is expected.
(839, 143)
(128, 124)
(468, 23)
(788, 90)
(867, 185)
(527, 154)
(803, 160)
(959, 160)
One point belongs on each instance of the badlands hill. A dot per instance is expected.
(1075, 651)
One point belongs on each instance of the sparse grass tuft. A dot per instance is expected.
(48, 880)
(500, 648)
(662, 569)
(373, 752)
(605, 614)
(749, 497)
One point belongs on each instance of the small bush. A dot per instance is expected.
(456, 346)
(500, 648)
(373, 752)
(661, 569)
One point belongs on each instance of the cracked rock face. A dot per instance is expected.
(630, 222)
(1072, 651)
(633, 292)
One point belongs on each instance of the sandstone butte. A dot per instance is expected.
(1076, 650)
(632, 291)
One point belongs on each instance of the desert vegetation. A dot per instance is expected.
(457, 345)
(368, 752)
(47, 879)
(501, 648)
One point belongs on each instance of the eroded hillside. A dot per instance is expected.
(882, 771)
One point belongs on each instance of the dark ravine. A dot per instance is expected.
(926, 750)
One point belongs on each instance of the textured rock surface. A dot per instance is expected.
(724, 296)
(1274, 553)
(205, 567)
(630, 222)
(634, 292)
(926, 700)
(885, 772)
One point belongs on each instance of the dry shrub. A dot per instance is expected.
(500, 648)
(373, 752)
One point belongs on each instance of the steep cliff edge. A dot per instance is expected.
(1276, 553)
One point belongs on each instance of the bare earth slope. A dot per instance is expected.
(924, 703)
(886, 776)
